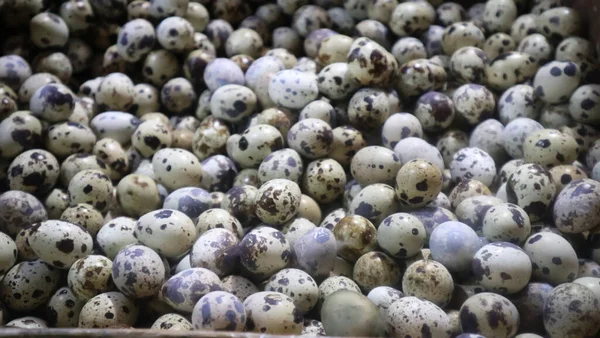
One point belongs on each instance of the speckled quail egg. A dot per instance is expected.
(356, 236)
(293, 89)
(331, 219)
(431, 217)
(418, 76)
(550, 147)
(399, 126)
(556, 81)
(311, 138)
(169, 232)
(240, 202)
(138, 194)
(324, 180)
(63, 308)
(277, 201)
(374, 202)
(454, 244)
(60, 243)
(411, 18)
(108, 310)
(218, 218)
(219, 311)
(506, 223)
(531, 188)
(183, 290)
(264, 251)
(347, 141)
(524, 25)
(115, 235)
(369, 63)
(18, 210)
(239, 286)
(383, 297)
(489, 314)
(298, 285)
(417, 318)
(499, 15)
(515, 133)
(216, 250)
(571, 310)
(92, 187)
(530, 303)
(90, 276)
(20, 131)
(297, 228)
(473, 102)
(64, 139)
(116, 92)
(284, 318)
(588, 268)
(412, 148)
(509, 69)
(518, 101)
(281, 164)
(190, 201)
(115, 125)
(428, 280)
(150, 137)
(313, 327)
(85, 216)
(418, 182)
(465, 189)
(248, 176)
(552, 257)
(498, 43)
(251, 147)
(335, 283)
(375, 164)
(319, 109)
(29, 285)
(28, 322)
(487, 136)
(53, 102)
(502, 267)
(172, 321)
(473, 163)
(537, 46)
(461, 34)
(232, 102)
(316, 251)
(33, 171)
(177, 168)
(137, 271)
(577, 207)
(335, 81)
(374, 269)
(368, 108)
(136, 39)
(584, 105)
(8, 253)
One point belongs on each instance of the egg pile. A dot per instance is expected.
(327, 167)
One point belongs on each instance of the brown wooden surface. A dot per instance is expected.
(590, 13)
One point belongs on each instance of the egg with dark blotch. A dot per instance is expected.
(570, 311)
(191, 201)
(183, 290)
